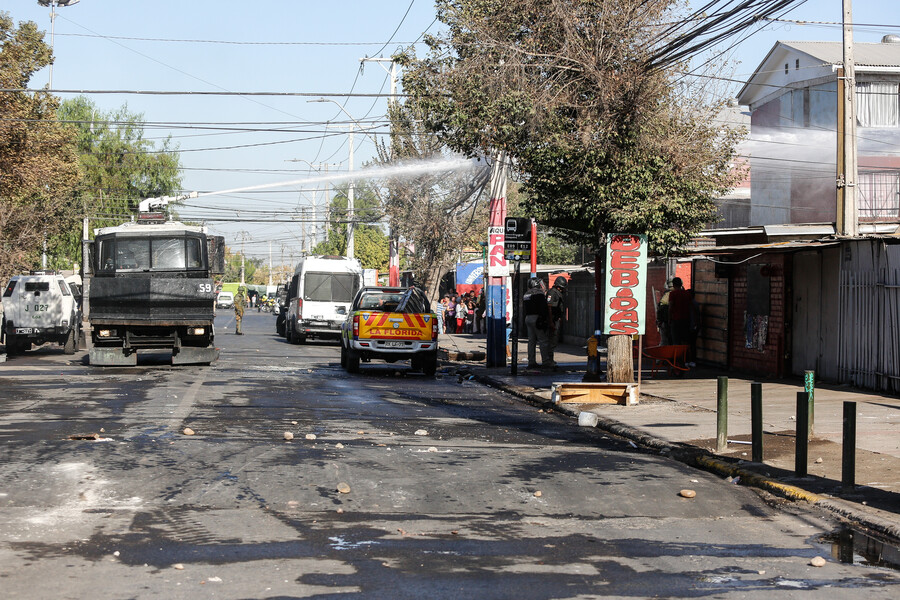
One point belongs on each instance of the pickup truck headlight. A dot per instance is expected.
(196, 330)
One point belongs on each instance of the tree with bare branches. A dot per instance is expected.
(435, 214)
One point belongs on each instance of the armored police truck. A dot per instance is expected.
(150, 287)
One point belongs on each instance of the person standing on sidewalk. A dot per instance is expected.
(680, 313)
(537, 322)
(439, 309)
(460, 314)
(556, 300)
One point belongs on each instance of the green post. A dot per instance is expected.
(722, 414)
(809, 385)
(756, 421)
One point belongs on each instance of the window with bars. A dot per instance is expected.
(879, 194)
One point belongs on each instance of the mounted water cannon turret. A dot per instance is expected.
(152, 204)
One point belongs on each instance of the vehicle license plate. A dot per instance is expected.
(20, 330)
(394, 344)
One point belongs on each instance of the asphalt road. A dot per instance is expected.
(453, 490)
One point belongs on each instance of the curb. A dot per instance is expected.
(868, 518)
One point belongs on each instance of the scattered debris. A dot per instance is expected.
(818, 561)
(421, 432)
(687, 493)
(214, 579)
(85, 436)
(288, 435)
(340, 511)
(588, 419)
(538, 494)
(819, 460)
(432, 449)
(188, 431)
(339, 445)
(178, 567)
(343, 488)
(310, 436)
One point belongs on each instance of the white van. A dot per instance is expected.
(38, 308)
(319, 297)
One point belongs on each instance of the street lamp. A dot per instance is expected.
(53, 4)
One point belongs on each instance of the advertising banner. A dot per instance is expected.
(469, 277)
(626, 284)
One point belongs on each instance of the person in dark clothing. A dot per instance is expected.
(537, 322)
(680, 313)
(556, 300)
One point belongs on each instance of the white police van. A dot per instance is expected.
(319, 297)
(39, 308)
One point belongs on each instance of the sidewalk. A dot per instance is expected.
(678, 416)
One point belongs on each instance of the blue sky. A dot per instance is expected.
(301, 47)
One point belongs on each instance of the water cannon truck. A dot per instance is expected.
(150, 286)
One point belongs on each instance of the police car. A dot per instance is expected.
(39, 308)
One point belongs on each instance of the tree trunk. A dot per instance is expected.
(619, 361)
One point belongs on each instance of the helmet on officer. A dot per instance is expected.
(560, 282)
(535, 283)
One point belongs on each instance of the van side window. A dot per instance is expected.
(9, 289)
(63, 287)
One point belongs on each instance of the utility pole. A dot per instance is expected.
(847, 219)
(497, 269)
(394, 263)
(270, 262)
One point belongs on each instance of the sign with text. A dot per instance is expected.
(518, 237)
(626, 284)
(497, 265)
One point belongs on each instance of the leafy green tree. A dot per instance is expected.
(604, 130)
(120, 167)
(38, 163)
(233, 261)
(370, 244)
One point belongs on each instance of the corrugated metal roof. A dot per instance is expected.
(864, 54)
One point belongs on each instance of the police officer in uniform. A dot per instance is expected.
(238, 311)
(556, 300)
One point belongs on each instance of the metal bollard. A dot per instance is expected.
(722, 414)
(809, 385)
(848, 450)
(801, 453)
(756, 421)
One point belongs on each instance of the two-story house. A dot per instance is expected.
(780, 292)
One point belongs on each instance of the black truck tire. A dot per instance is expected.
(12, 344)
(429, 364)
(352, 361)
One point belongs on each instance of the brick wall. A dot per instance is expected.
(711, 294)
(769, 362)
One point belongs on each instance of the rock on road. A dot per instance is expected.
(390, 485)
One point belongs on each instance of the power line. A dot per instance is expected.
(203, 93)
(223, 42)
